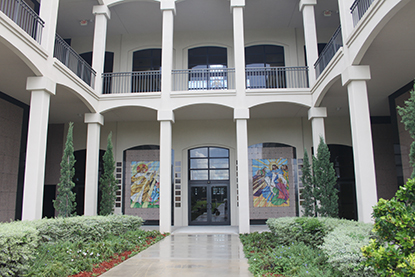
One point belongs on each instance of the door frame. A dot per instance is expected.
(209, 185)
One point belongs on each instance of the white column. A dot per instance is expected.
(49, 14)
(94, 121)
(317, 115)
(166, 119)
(168, 8)
(102, 14)
(346, 18)
(354, 77)
(241, 117)
(237, 7)
(41, 89)
(310, 36)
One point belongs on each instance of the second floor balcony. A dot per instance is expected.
(206, 79)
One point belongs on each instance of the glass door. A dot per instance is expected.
(209, 204)
(209, 186)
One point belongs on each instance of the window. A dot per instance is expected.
(146, 76)
(263, 66)
(209, 163)
(207, 66)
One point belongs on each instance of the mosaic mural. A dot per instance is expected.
(145, 184)
(270, 182)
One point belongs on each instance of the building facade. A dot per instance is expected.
(211, 104)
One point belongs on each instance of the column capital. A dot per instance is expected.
(356, 73)
(94, 118)
(240, 114)
(165, 116)
(41, 83)
(237, 3)
(166, 5)
(304, 3)
(102, 9)
(317, 112)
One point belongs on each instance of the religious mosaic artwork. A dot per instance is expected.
(145, 184)
(270, 183)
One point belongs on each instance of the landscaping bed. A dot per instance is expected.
(76, 246)
(308, 247)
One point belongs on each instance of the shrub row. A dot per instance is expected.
(340, 240)
(19, 240)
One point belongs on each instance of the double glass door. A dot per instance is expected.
(209, 186)
(209, 204)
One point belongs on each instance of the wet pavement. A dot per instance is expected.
(190, 251)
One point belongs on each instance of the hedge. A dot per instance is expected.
(19, 240)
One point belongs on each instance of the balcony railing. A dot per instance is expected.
(131, 82)
(276, 77)
(73, 61)
(359, 8)
(203, 79)
(329, 51)
(24, 16)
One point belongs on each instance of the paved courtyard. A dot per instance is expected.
(190, 251)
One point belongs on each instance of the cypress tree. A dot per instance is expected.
(408, 119)
(325, 181)
(65, 200)
(308, 189)
(108, 185)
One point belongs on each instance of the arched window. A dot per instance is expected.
(207, 66)
(264, 66)
(146, 76)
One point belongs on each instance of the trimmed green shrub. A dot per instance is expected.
(392, 252)
(342, 247)
(85, 228)
(18, 242)
(287, 230)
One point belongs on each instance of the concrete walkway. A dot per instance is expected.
(190, 251)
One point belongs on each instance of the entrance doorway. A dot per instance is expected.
(209, 186)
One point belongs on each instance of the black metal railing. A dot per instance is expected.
(203, 79)
(329, 51)
(73, 61)
(24, 16)
(276, 77)
(131, 82)
(359, 8)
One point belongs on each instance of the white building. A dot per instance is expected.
(202, 98)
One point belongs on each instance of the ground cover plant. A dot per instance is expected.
(308, 247)
(79, 246)
(89, 258)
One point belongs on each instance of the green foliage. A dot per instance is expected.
(343, 245)
(392, 251)
(18, 241)
(408, 119)
(266, 256)
(308, 188)
(68, 258)
(49, 247)
(287, 230)
(65, 200)
(108, 185)
(325, 181)
(85, 228)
